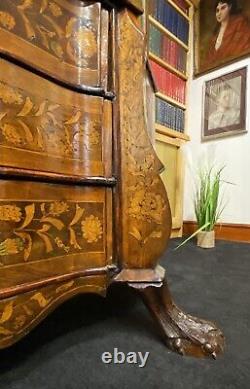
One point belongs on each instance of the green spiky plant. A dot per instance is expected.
(207, 204)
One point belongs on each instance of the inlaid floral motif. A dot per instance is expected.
(146, 207)
(18, 314)
(19, 322)
(92, 229)
(12, 134)
(52, 27)
(7, 20)
(47, 227)
(10, 212)
(82, 45)
(10, 95)
(58, 207)
(38, 125)
(11, 246)
(55, 9)
(26, 4)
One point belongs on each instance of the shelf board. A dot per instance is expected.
(169, 132)
(178, 9)
(170, 100)
(167, 66)
(166, 32)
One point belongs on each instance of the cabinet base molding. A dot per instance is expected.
(141, 275)
(223, 231)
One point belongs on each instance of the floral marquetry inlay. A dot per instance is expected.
(146, 227)
(31, 123)
(50, 25)
(31, 231)
(20, 313)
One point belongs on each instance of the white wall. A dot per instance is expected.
(231, 151)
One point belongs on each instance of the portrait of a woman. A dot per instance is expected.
(230, 37)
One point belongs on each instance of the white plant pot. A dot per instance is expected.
(206, 239)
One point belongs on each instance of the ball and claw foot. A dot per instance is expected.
(184, 334)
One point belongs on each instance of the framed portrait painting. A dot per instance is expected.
(225, 105)
(222, 33)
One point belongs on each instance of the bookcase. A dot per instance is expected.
(169, 24)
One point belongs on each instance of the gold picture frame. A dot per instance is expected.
(216, 46)
(224, 111)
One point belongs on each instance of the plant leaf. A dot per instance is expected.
(28, 105)
(64, 287)
(28, 241)
(78, 215)
(70, 26)
(27, 131)
(73, 240)
(47, 242)
(42, 301)
(58, 224)
(29, 212)
(41, 108)
(45, 228)
(192, 236)
(136, 234)
(4, 331)
(2, 115)
(74, 118)
(7, 313)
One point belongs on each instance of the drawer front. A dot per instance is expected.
(65, 39)
(49, 230)
(47, 128)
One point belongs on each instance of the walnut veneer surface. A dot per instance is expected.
(82, 204)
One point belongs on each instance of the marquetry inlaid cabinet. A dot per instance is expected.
(82, 204)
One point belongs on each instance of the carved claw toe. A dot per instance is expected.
(177, 346)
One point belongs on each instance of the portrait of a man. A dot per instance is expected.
(224, 111)
(224, 33)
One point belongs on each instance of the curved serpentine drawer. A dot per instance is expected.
(49, 230)
(67, 40)
(48, 128)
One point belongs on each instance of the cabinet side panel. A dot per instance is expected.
(145, 212)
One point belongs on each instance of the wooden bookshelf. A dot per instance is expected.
(171, 133)
(170, 100)
(166, 32)
(167, 66)
(178, 9)
(169, 141)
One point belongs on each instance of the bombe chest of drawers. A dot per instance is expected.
(82, 204)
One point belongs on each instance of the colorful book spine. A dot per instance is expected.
(171, 19)
(167, 49)
(168, 115)
(183, 5)
(168, 83)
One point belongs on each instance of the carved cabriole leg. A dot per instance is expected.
(184, 334)
(145, 218)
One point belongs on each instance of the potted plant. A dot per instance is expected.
(208, 206)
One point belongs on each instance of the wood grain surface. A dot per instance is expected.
(66, 39)
(45, 127)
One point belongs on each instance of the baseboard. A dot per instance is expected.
(224, 231)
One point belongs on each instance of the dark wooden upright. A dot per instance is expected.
(82, 204)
